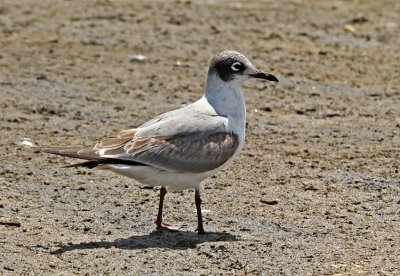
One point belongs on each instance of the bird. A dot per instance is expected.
(177, 150)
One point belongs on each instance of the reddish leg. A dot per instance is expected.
(159, 223)
(200, 228)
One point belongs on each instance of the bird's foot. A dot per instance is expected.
(201, 231)
(167, 226)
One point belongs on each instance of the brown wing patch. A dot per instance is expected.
(116, 142)
(112, 143)
(116, 147)
(129, 133)
(141, 143)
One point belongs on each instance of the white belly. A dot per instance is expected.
(154, 177)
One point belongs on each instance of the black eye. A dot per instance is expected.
(237, 66)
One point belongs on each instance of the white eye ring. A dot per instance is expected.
(236, 66)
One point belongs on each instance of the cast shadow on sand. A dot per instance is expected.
(157, 239)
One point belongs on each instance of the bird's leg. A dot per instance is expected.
(163, 192)
(200, 228)
(159, 223)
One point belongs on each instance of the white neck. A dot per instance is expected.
(226, 97)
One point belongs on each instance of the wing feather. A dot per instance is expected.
(74, 152)
(195, 152)
(191, 139)
(188, 153)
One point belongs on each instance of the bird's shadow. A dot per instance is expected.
(157, 239)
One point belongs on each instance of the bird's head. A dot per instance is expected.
(233, 67)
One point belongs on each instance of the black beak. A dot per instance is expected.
(265, 76)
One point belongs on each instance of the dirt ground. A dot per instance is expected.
(324, 143)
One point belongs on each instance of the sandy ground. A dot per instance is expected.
(324, 143)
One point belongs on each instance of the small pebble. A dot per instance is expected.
(269, 202)
(137, 58)
(349, 28)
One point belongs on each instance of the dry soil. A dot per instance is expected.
(316, 190)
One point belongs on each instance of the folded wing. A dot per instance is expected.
(192, 141)
(195, 152)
